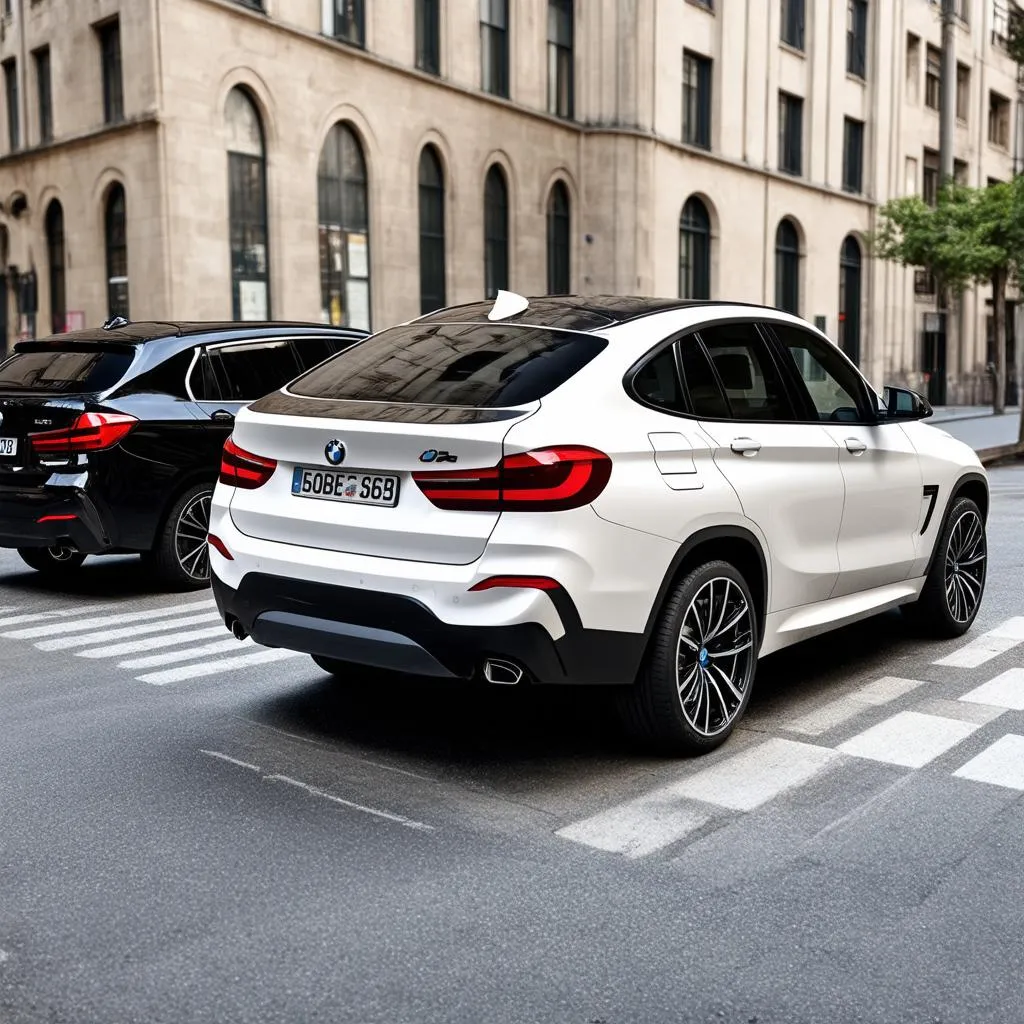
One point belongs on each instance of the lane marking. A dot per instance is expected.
(188, 654)
(989, 645)
(160, 626)
(81, 625)
(85, 609)
(1001, 764)
(848, 706)
(1004, 691)
(4, 956)
(152, 643)
(636, 829)
(232, 760)
(211, 668)
(909, 739)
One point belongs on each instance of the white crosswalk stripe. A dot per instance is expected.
(1005, 691)
(842, 709)
(909, 739)
(989, 645)
(188, 654)
(161, 625)
(153, 643)
(1001, 764)
(80, 625)
(17, 620)
(211, 668)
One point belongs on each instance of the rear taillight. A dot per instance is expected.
(545, 480)
(91, 432)
(239, 468)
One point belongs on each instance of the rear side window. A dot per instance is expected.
(466, 365)
(657, 382)
(311, 352)
(243, 373)
(166, 378)
(78, 370)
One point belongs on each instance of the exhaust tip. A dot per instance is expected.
(502, 673)
(237, 630)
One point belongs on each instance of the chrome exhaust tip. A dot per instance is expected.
(238, 630)
(503, 673)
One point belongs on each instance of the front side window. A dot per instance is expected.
(791, 133)
(494, 47)
(696, 100)
(560, 58)
(110, 53)
(694, 251)
(745, 369)
(834, 388)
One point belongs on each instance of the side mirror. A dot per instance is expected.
(904, 404)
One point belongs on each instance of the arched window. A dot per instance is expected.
(850, 297)
(247, 208)
(55, 262)
(343, 213)
(694, 251)
(787, 267)
(559, 277)
(495, 232)
(432, 254)
(115, 231)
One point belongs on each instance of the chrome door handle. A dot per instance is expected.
(855, 446)
(745, 446)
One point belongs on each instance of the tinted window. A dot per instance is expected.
(312, 351)
(748, 375)
(657, 382)
(247, 372)
(474, 365)
(203, 382)
(706, 398)
(78, 370)
(832, 384)
(167, 378)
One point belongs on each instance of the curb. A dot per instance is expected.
(1002, 453)
(975, 416)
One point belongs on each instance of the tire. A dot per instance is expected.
(955, 586)
(709, 617)
(56, 561)
(181, 558)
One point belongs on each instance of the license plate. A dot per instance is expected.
(8, 446)
(352, 485)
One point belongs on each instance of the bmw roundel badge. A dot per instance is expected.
(334, 452)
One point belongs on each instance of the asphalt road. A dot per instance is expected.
(191, 834)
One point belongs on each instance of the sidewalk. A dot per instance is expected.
(975, 425)
(948, 413)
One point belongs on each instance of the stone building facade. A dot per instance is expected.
(363, 160)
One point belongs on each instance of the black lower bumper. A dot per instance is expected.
(42, 517)
(399, 633)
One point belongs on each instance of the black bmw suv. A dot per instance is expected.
(110, 439)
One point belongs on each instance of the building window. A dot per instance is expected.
(857, 37)
(559, 280)
(13, 105)
(348, 22)
(495, 232)
(110, 53)
(998, 120)
(560, 58)
(850, 298)
(344, 230)
(933, 78)
(792, 28)
(115, 220)
(44, 93)
(247, 208)
(963, 92)
(494, 47)
(791, 132)
(696, 100)
(55, 262)
(961, 172)
(428, 36)
(930, 177)
(432, 248)
(853, 155)
(694, 251)
(910, 177)
(913, 67)
(924, 283)
(787, 267)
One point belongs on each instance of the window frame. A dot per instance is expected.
(357, 23)
(699, 132)
(561, 58)
(689, 236)
(854, 187)
(788, 139)
(492, 241)
(558, 225)
(436, 240)
(858, 17)
(428, 36)
(111, 69)
(793, 24)
(114, 247)
(998, 106)
(932, 77)
(501, 84)
(204, 349)
(44, 93)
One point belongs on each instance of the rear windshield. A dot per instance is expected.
(62, 371)
(472, 365)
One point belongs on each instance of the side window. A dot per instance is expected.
(706, 398)
(311, 352)
(657, 382)
(250, 371)
(203, 381)
(834, 387)
(166, 378)
(744, 365)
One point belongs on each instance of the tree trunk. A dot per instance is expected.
(999, 333)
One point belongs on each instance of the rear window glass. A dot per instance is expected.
(472, 365)
(65, 371)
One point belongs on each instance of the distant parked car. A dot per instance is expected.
(110, 438)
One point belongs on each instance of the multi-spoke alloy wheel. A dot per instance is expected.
(190, 538)
(700, 664)
(966, 559)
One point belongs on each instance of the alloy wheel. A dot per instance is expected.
(190, 533)
(966, 559)
(714, 656)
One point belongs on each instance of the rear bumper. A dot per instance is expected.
(399, 633)
(39, 517)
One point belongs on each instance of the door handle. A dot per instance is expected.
(222, 416)
(745, 446)
(855, 446)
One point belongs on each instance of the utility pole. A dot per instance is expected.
(947, 123)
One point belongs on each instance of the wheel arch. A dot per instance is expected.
(973, 485)
(199, 475)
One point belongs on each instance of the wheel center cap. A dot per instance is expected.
(702, 657)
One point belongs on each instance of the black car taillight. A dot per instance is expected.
(91, 432)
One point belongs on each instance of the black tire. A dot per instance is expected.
(955, 587)
(655, 708)
(56, 561)
(181, 559)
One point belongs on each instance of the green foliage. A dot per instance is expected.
(1015, 34)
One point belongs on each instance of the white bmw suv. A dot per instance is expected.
(645, 492)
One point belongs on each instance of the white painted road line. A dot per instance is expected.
(987, 646)
(232, 760)
(188, 653)
(212, 668)
(85, 609)
(1001, 764)
(909, 739)
(163, 625)
(153, 643)
(80, 625)
(1005, 691)
(637, 828)
(842, 709)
